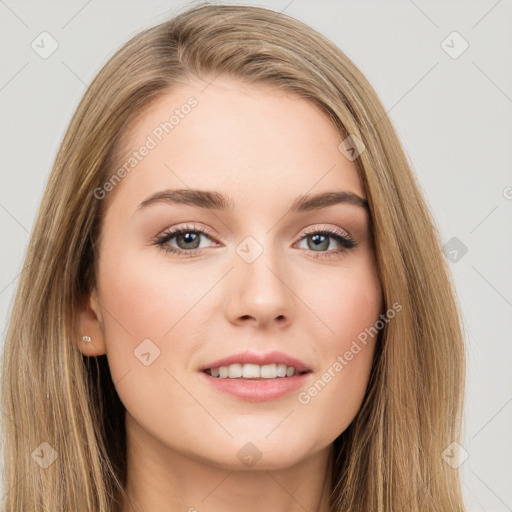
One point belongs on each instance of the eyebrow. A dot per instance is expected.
(216, 201)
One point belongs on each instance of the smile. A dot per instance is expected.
(253, 371)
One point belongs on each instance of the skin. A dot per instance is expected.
(263, 148)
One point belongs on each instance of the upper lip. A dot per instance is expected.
(274, 357)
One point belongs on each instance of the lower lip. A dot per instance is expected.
(258, 390)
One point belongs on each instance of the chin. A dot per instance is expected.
(263, 454)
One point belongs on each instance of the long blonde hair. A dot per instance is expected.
(63, 422)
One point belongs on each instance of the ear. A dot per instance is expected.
(91, 325)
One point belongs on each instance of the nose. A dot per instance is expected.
(260, 292)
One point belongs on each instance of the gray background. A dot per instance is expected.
(452, 114)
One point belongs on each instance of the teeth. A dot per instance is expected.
(268, 371)
(250, 371)
(234, 371)
(253, 371)
(281, 370)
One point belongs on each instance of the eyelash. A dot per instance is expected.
(345, 241)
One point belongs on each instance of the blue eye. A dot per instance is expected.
(321, 239)
(189, 238)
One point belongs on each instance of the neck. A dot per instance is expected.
(163, 479)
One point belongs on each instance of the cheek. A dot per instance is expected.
(152, 312)
(146, 298)
(346, 301)
(332, 400)
(139, 307)
(349, 305)
(145, 308)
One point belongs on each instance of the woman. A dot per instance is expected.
(234, 293)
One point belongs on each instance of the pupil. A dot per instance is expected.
(315, 239)
(189, 237)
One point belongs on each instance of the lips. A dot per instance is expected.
(273, 357)
(270, 386)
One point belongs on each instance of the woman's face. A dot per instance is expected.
(255, 277)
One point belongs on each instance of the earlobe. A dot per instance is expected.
(91, 338)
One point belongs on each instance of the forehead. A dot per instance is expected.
(247, 140)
